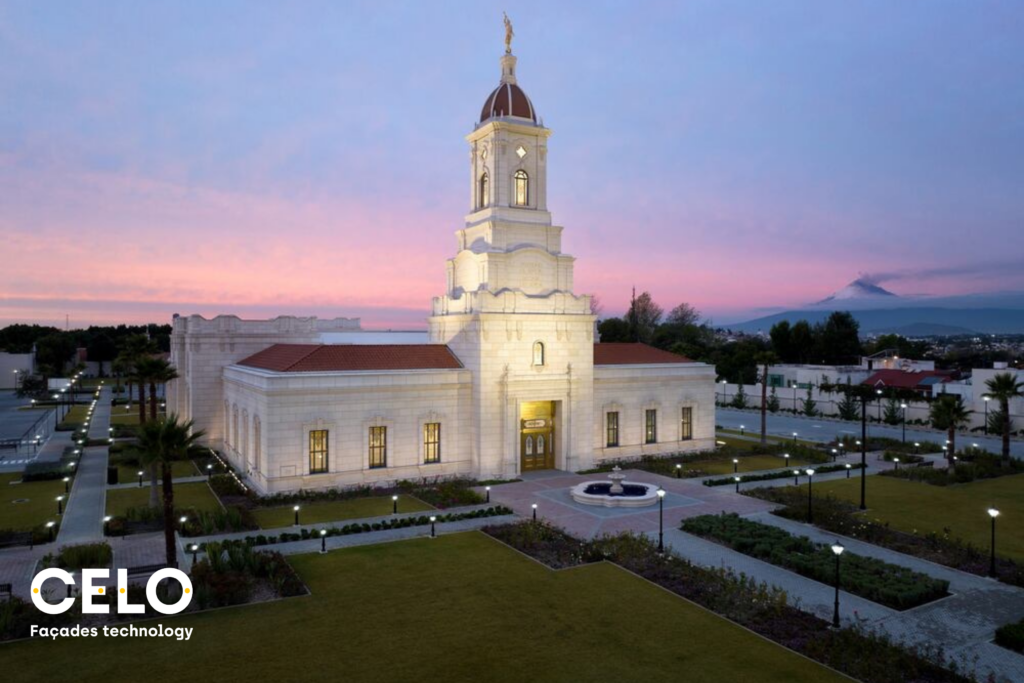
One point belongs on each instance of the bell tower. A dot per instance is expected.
(509, 312)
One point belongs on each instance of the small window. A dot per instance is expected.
(612, 421)
(483, 199)
(538, 353)
(529, 445)
(318, 451)
(432, 442)
(378, 446)
(521, 187)
(540, 445)
(651, 426)
(686, 425)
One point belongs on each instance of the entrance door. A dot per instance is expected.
(536, 445)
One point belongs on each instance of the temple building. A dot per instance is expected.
(511, 378)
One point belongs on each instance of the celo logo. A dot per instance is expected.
(90, 591)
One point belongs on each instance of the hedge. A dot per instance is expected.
(785, 474)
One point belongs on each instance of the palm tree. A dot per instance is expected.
(1003, 387)
(949, 412)
(161, 442)
(138, 348)
(157, 371)
(765, 359)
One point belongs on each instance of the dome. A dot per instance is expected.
(508, 99)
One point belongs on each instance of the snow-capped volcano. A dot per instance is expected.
(859, 289)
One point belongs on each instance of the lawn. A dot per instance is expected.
(748, 463)
(195, 495)
(458, 608)
(120, 416)
(333, 511)
(179, 468)
(75, 417)
(39, 508)
(922, 508)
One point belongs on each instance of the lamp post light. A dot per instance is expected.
(917, 447)
(534, 506)
(60, 505)
(182, 521)
(849, 468)
(896, 464)
(49, 529)
(296, 509)
(796, 477)
(394, 505)
(879, 393)
(904, 407)
(140, 479)
(106, 525)
(810, 497)
(323, 541)
(993, 513)
(209, 472)
(725, 391)
(487, 493)
(737, 480)
(794, 437)
(195, 551)
(743, 431)
(433, 519)
(837, 550)
(661, 521)
(735, 465)
(679, 470)
(835, 454)
(987, 399)
(66, 487)
(786, 456)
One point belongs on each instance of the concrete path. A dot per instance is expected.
(145, 482)
(86, 506)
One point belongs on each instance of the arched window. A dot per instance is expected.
(521, 188)
(227, 422)
(540, 445)
(234, 431)
(529, 445)
(484, 198)
(538, 353)
(245, 435)
(257, 446)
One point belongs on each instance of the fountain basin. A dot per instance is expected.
(633, 494)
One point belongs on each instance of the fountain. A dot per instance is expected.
(615, 493)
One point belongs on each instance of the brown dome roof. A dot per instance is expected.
(508, 99)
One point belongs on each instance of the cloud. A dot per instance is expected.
(976, 270)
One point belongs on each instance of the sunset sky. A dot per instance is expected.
(307, 158)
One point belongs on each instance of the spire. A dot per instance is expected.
(508, 69)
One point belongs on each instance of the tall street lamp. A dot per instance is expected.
(993, 513)
(879, 393)
(904, 407)
(661, 521)
(296, 509)
(987, 399)
(837, 549)
(810, 497)
(735, 465)
(725, 391)
(394, 505)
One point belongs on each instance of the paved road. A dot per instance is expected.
(821, 429)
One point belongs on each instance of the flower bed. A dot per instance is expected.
(864, 655)
(364, 527)
(887, 584)
(840, 517)
(824, 469)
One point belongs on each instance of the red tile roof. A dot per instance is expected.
(903, 379)
(350, 357)
(622, 353)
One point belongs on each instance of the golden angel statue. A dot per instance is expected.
(509, 34)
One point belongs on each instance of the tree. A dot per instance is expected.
(101, 349)
(892, 414)
(613, 330)
(765, 359)
(54, 351)
(802, 339)
(1003, 387)
(595, 305)
(683, 314)
(19, 338)
(782, 341)
(847, 408)
(643, 317)
(160, 372)
(773, 401)
(136, 349)
(810, 406)
(839, 340)
(161, 442)
(949, 413)
(740, 399)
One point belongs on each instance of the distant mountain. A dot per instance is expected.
(859, 289)
(917, 320)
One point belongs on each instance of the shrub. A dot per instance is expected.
(824, 469)
(48, 471)
(1011, 636)
(82, 556)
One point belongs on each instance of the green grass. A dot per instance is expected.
(355, 508)
(195, 495)
(458, 608)
(179, 468)
(120, 416)
(755, 435)
(75, 417)
(921, 508)
(40, 508)
(748, 463)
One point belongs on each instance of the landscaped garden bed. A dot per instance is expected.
(972, 464)
(1011, 636)
(822, 469)
(867, 656)
(719, 461)
(887, 584)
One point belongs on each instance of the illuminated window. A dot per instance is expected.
(484, 200)
(529, 445)
(538, 353)
(522, 188)
(432, 442)
(378, 446)
(686, 425)
(318, 451)
(613, 430)
(651, 426)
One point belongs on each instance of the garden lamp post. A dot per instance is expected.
(796, 477)
(433, 532)
(737, 480)
(735, 465)
(837, 549)
(725, 391)
(810, 497)
(993, 513)
(786, 456)
(835, 454)
(904, 407)
(56, 412)
(49, 529)
(66, 487)
(534, 506)
(209, 471)
(743, 431)
(679, 470)
(661, 521)
(195, 551)
(323, 541)
(106, 525)
(296, 509)
(987, 399)
(917, 447)
(487, 492)
(60, 505)
(182, 521)
(794, 437)
(849, 468)
(140, 479)
(394, 505)
(878, 392)
(896, 464)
